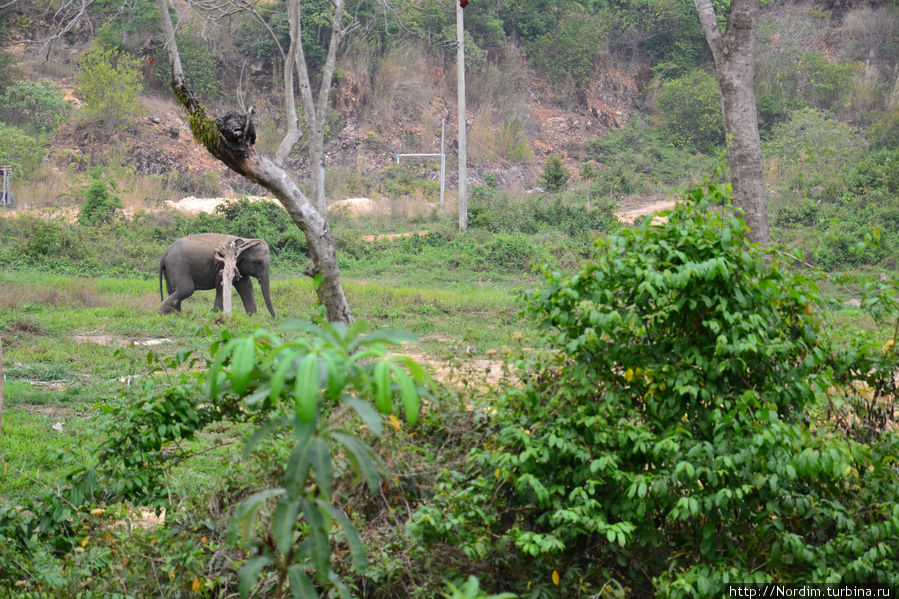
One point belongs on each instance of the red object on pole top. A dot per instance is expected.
(463, 3)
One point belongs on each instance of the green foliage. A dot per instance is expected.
(139, 21)
(637, 158)
(555, 175)
(567, 52)
(21, 151)
(110, 84)
(471, 589)
(811, 150)
(39, 106)
(692, 111)
(339, 366)
(200, 66)
(263, 219)
(9, 74)
(574, 214)
(884, 133)
(671, 438)
(101, 205)
(288, 389)
(408, 179)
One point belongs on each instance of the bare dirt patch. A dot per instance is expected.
(111, 340)
(633, 213)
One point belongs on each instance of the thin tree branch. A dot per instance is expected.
(709, 23)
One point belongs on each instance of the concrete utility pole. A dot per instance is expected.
(463, 150)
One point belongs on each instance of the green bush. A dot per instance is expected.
(811, 150)
(672, 438)
(265, 220)
(21, 151)
(101, 206)
(110, 84)
(691, 110)
(576, 214)
(555, 175)
(638, 158)
(199, 63)
(39, 106)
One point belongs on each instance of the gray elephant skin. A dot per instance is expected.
(189, 264)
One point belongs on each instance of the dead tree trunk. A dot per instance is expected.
(228, 255)
(734, 54)
(230, 139)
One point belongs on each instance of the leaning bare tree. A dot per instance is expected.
(734, 54)
(231, 139)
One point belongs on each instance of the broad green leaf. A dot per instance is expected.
(408, 393)
(300, 585)
(357, 549)
(383, 393)
(305, 390)
(242, 363)
(320, 460)
(276, 382)
(337, 369)
(415, 369)
(213, 374)
(249, 573)
(370, 417)
(361, 457)
(284, 522)
(320, 546)
(242, 521)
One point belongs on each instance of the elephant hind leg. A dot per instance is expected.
(173, 302)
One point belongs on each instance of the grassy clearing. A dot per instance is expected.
(71, 343)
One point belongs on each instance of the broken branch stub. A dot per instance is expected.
(228, 254)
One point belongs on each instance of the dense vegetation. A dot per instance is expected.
(659, 409)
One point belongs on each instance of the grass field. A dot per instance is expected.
(71, 344)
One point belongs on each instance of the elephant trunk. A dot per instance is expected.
(266, 294)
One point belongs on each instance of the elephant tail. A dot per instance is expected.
(161, 270)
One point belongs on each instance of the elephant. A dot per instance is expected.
(190, 263)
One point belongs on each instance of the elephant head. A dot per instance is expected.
(254, 260)
(190, 263)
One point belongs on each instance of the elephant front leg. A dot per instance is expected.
(245, 289)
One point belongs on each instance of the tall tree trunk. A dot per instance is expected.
(734, 54)
(239, 154)
(315, 111)
(2, 382)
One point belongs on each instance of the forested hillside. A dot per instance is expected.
(584, 402)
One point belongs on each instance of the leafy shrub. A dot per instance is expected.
(575, 213)
(671, 438)
(21, 151)
(200, 66)
(266, 220)
(288, 388)
(110, 84)
(638, 157)
(567, 52)
(555, 175)
(36, 105)
(691, 110)
(810, 150)
(101, 205)
(884, 133)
